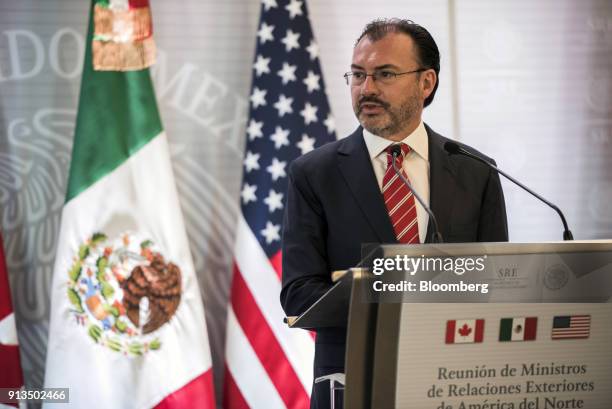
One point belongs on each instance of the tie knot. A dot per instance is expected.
(405, 150)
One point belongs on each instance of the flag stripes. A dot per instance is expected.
(464, 331)
(263, 285)
(277, 369)
(265, 345)
(246, 372)
(195, 394)
(571, 327)
(232, 397)
(518, 329)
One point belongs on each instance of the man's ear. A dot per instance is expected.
(428, 82)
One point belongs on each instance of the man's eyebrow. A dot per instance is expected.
(380, 67)
(386, 66)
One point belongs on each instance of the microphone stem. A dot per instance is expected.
(567, 234)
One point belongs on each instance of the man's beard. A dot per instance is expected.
(392, 120)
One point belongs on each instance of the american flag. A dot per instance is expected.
(267, 364)
(571, 327)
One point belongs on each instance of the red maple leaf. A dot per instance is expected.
(465, 330)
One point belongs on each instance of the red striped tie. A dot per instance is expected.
(400, 201)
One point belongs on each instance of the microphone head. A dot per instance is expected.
(452, 147)
(396, 150)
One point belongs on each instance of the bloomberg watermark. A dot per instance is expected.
(476, 273)
(394, 278)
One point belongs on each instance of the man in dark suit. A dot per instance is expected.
(344, 194)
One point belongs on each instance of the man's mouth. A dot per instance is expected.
(371, 108)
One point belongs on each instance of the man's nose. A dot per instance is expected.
(369, 86)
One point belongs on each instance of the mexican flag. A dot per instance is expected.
(518, 329)
(127, 325)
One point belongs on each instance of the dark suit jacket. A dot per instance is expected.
(334, 205)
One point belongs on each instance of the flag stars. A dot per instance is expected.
(248, 193)
(283, 105)
(277, 169)
(268, 4)
(262, 65)
(251, 161)
(271, 233)
(291, 40)
(254, 130)
(258, 97)
(274, 200)
(313, 50)
(265, 33)
(306, 144)
(280, 137)
(312, 82)
(294, 8)
(330, 123)
(309, 113)
(287, 73)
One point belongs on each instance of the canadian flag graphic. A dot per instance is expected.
(464, 331)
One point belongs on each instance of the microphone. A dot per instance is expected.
(455, 148)
(396, 151)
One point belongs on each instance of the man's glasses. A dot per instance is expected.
(383, 76)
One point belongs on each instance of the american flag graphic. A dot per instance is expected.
(571, 327)
(267, 364)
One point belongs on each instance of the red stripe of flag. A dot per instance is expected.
(266, 346)
(137, 4)
(277, 263)
(6, 307)
(479, 334)
(531, 325)
(450, 331)
(197, 393)
(10, 372)
(232, 397)
(11, 375)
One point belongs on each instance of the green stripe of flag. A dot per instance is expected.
(117, 116)
(505, 330)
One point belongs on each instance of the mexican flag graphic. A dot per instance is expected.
(518, 329)
(127, 326)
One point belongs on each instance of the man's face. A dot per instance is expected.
(392, 109)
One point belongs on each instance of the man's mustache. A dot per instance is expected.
(372, 100)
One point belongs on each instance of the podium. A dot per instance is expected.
(403, 350)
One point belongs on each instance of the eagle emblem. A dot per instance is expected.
(123, 291)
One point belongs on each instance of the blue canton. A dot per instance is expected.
(289, 115)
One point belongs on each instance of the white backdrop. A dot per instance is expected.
(526, 82)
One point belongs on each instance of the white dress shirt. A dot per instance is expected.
(415, 164)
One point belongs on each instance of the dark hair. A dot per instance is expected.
(427, 51)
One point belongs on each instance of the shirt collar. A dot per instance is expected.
(417, 141)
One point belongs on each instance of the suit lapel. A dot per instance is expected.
(356, 168)
(442, 184)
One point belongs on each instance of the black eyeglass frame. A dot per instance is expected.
(376, 74)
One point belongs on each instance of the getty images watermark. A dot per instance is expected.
(408, 274)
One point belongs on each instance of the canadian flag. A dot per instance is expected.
(464, 331)
(10, 367)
